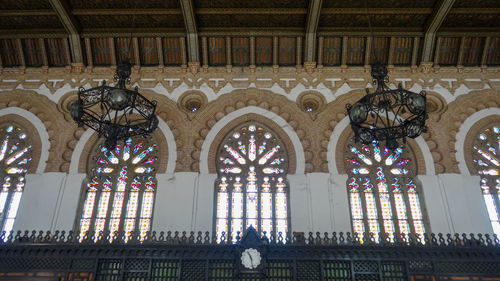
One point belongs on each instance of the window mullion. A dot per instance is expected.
(230, 209)
(495, 194)
(126, 200)
(409, 215)
(364, 210)
(394, 209)
(378, 206)
(244, 181)
(138, 212)
(8, 201)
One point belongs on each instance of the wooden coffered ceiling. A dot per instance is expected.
(249, 32)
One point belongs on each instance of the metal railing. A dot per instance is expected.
(294, 238)
(202, 256)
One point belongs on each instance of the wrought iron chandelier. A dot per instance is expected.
(387, 114)
(116, 113)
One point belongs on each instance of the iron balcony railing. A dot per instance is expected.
(201, 256)
(294, 238)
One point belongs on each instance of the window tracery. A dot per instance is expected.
(15, 158)
(251, 188)
(121, 188)
(486, 148)
(383, 197)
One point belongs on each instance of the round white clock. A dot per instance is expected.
(250, 258)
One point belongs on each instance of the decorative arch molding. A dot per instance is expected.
(467, 132)
(37, 132)
(333, 116)
(340, 137)
(164, 137)
(36, 107)
(297, 125)
(453, 120)
(296, 161)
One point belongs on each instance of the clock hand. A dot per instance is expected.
(250, 256)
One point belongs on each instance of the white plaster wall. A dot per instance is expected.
(339, 203)
(300, 203)
(454, 204)
(318, 202)
(435, 202)
(38, 206)
(69, 201)
(205, 203)
(175, 203)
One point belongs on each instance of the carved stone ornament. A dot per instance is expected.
(312, 103)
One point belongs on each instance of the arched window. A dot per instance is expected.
(382, 194)
(120, 189)
(486, 158)
(251, 188)
(15, 157)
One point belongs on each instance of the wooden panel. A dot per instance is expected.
(56, 51)
(217, 51)
(380, 49)
(332, 50)
(493, 52)
(448, 50)
(148, 51)
(101, 51)
(240, 51)
(263, 50)
(10, 56)
(287, 47)
(124, 50)
(172, 51)
(33, 55)
(473, 49)
(356, 51)
(403, 49)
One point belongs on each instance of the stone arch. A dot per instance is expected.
(37, 132)
(226, 124)
(168, 135)
(275, 107)
(454, 118)
(467, 132)
(340, 137)
(40, 107)
(162, 135)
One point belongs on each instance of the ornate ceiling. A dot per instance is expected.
(242, 32)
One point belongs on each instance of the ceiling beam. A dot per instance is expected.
(251, 11)
(311, 28)
(71, 25)
(118, 12)
(192, 34)
(475, 11)
(434, 22)
(376, 11)
(14, 13)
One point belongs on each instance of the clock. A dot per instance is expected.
(250, 258)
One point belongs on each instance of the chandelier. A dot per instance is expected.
(115, 113)
(387, 114)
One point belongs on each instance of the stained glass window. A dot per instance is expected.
(252, 189)
(121, 188)
(486, 149)
(15, 157)
(383, 196)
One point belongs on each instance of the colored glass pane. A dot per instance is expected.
(382, 207)
(121, 177)
(485, 154)
(251, 190)
(15, 157)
